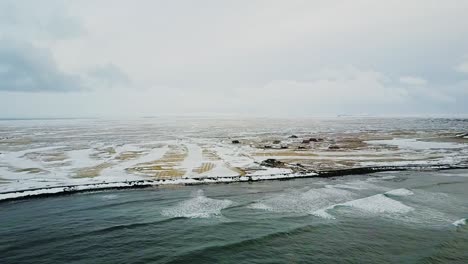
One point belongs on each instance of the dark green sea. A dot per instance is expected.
(402, 217)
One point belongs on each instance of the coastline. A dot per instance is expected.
(36, 193)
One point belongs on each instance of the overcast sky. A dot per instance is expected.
(112, 58)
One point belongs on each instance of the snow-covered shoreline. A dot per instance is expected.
(63, 157)
(71, 189)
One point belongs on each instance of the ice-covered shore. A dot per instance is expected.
(69, 189)
(56, 190)
(59, 157)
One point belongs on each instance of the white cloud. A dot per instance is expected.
(463, 67)
(411, 80)
(254, 56)
(335, 86)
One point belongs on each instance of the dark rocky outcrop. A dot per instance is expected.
(293, 136)
(333, 147)
(274, 163)
(235, 142)
(276, 141)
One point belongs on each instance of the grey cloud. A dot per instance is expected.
(48, 19)
(108, 76)
(26, 68)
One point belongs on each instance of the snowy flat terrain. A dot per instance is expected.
(37, 154)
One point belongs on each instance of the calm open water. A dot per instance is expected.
(404, 217)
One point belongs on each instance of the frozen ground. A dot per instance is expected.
(92, 154)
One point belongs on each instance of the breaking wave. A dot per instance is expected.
(303, 202)
(400, 192)
(198, 207)
(460, 222)
(378, 204)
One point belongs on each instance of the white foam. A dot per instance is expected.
(355, 185)
(109, 196)
(460, 222)
(400, 192)
(323, 214)
(304, 202)
(260, 206)
(378, 204)
(198, 207)
(382, 178)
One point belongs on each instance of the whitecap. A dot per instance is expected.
(109, 196)
(460, 222)
(378, 204)
(260, 206)
(400, 192)
(198, 207)
(382, 178)
(304, 202)
(323, 214)
(355, 185)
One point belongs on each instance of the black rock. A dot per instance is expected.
(235, 142)
(272, 163)
(333, 147)
(293, 136)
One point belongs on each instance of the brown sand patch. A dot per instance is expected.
(46, 156)
(31, 170)
(91, 172)
(210, 154)
(166, 166)
(103, 152)
(128, 155)
(238, 170)
(4, 181)
(204, 167)
(16, 141)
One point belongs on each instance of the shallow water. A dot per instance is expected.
(404, 217)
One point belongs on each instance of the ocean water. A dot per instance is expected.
(401, 217)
